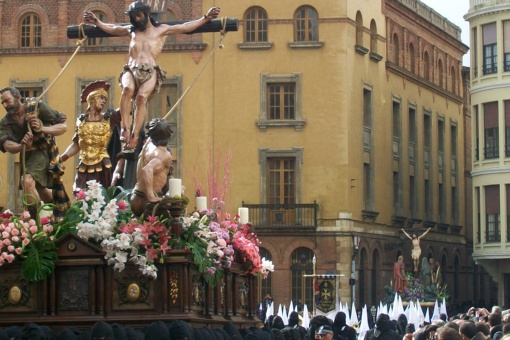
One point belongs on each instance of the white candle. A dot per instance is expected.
(201, 203)
(174, 187)
(243, 215)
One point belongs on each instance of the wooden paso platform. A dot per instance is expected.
(83, 289)
(215, 25)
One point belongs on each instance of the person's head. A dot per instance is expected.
(468, 330)
(293, 319)
(452, 325)
(506, 328)
(340, 320)
(431, 261)
(414, 236)
(447, 333)
(497, 309)
(442, 316)
(400, 258)
(494, 319)
(410, 328)
(10, 99)
(382, 322)
(96, 95)
(278, 323)
(324, 332)
(483, 328)
(160, 131)
(139, 15)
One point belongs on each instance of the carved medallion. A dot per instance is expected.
(133, 292)
(14, 295)
(15, 291)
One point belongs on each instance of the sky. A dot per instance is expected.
(454, 10)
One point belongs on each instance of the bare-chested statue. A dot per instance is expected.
(154, 166)
(141, 76)
(416, 252)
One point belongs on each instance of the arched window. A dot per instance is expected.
(375, 273)
(255, 25)
(373, 36)
(361, 284)
(264, 285)
(301, 263)
(98, 41)
(359, 29)
(306, 24)
(440, 72)
(30, 31)
(426, 66)
(412, 58)
(396, 50)
(454, 80)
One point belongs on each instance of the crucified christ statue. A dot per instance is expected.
(416, 252)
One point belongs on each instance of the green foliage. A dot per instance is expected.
(38, 259)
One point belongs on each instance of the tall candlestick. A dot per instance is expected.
(243, 215)
(201, 203)
(174, 187)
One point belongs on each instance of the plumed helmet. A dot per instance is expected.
(138, 6)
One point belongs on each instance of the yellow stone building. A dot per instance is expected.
(336, 123)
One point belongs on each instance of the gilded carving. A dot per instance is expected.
(244, 288)
(15, 291)
(174, 287)
(133, 289)
(14, 295)
(198, 290)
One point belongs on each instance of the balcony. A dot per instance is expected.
(268, 218)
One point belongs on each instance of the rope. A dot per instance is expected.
(80, 43)
(223, 33)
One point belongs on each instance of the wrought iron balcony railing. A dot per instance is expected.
(283, 216)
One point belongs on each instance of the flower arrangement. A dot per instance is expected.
(216, 244)
(414, 290)
(102, 217)
(29, 239)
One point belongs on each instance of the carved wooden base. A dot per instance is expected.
(83, 290)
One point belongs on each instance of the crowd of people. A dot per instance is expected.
(474, 324)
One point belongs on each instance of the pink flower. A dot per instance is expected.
(25, 215)
(11, 248)
(15, 239)
(45, 220)
(33, 229)
(7, 242)
(24, 235)
(19, 250)
(221, 243)
(6, 214)
(10, 258)
(80, 195)
(26, 241)
(122, 205)
(15, 232)
(5, 234)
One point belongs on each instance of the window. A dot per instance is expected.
(427, 200)
(492, 214)
(507, 128)
(396, 129)
(373, 36)
(490, 54)
(474, 53)
(359, 29)
(440, 74)
(427, 138)
(396, 193)
(477, 136)
(413, 199)
(367, 119)
(478, 216)
(30, 31)
(412, 58)
(255, 25)
(306, 22)
(507, 187)
(412, 134)
(441, 203)
(455, 206)
(98, 41)
(440, 144)
(506, 47)
(162, 102)
(491, 130)
(454, 80)
(453, 148)
(280, 101)
(426, 66)
(302, 287)
(396, 50)
(281, 180)
(264, 285)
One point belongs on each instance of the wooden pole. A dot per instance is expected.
(214, 25)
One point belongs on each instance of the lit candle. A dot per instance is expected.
(174, 187)
(201, 203)
(243, 215)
